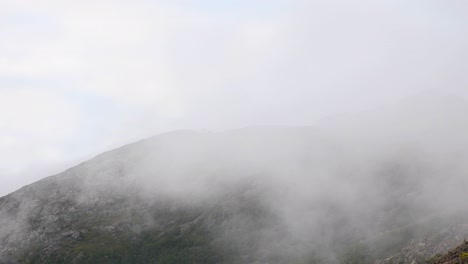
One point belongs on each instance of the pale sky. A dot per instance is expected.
(81, 77)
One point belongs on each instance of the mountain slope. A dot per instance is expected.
(108, 209)
(458, 255)
(362, 189)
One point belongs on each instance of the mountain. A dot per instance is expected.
(459, 255)
(431, 247)
(159, 200)
(386, 186)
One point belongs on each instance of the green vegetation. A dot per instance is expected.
(464, 255)
(191, 246)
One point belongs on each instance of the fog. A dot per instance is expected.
(367, 100)
(77, 79)
(343, 179)
(315, 189)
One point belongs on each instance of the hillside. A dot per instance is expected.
(357, 189)
(459, 255)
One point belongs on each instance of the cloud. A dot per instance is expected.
(163, 65)
(47, 115)
(35, 130)
(172, 58)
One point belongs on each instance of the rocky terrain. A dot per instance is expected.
(97, 213)
(421, 251)
(389, 190)
(458, 255)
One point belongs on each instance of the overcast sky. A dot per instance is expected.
(81, 77)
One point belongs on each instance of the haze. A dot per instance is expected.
(78, 78)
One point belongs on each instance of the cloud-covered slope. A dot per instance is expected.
(358, 187)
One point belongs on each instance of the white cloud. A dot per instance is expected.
(170, 65)
(38, 114)
(35, 127)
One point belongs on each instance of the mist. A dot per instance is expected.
(299, 131)
(316, 189)
(80, 79)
